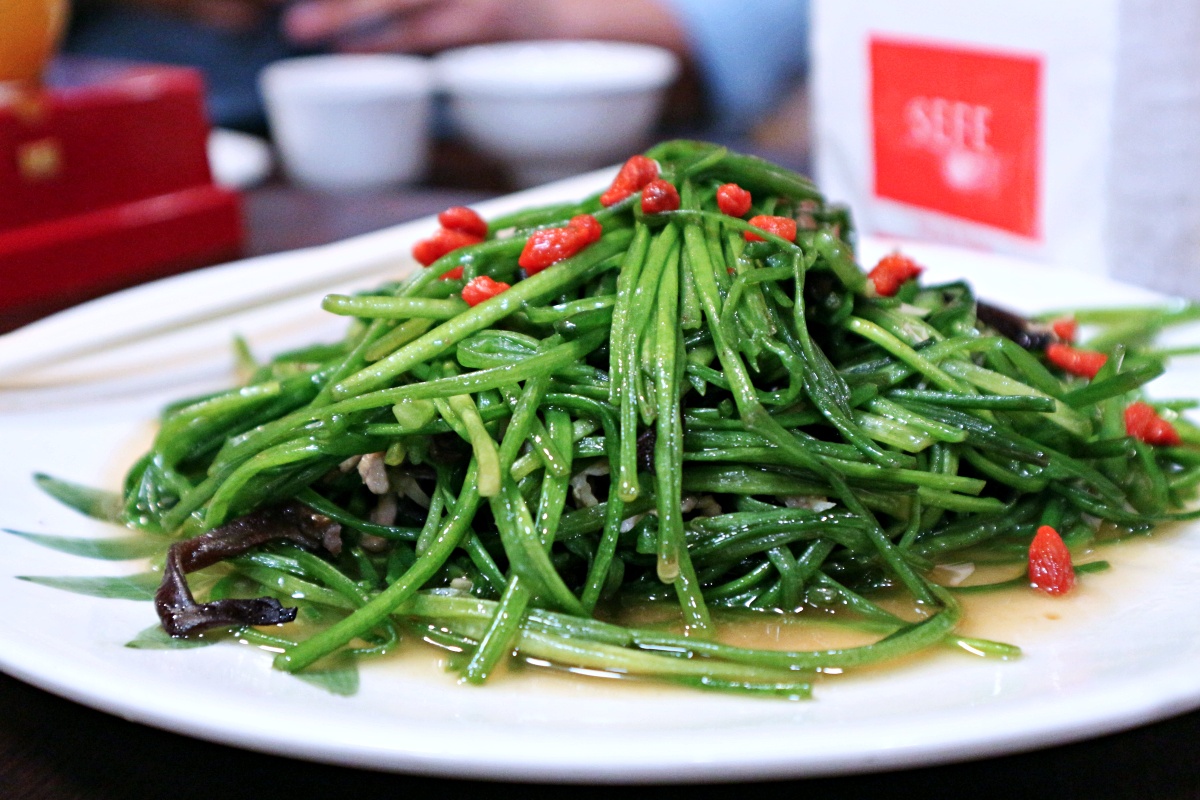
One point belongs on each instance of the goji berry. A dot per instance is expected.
(482, 288)
(587, 226)
(659, 196)
(733, 200)
(461, 218)
(1084, 363)
(1143, 422)
(783, 227)
(443, 241)
(891, 272)
(1050, 568)
(1065, 329)
(551, 245)
(633, 175)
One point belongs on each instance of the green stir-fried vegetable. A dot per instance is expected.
(699, 408)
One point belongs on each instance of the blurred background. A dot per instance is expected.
(1065, 134)
(743, 63)
(145, 137)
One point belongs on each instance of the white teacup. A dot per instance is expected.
(350, 122)
(549, 109)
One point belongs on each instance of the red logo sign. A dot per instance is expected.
(958, 130)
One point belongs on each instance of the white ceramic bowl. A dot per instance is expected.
(350, 122)
(549, 109)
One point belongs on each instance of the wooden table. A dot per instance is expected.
(53, 749)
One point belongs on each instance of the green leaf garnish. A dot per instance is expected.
(120, 587)
(155, 638)
(119, 548)
(95, 503)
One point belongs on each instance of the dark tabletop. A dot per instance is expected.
(53, 749)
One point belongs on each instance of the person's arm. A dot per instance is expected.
(231, 15)
(748, 53)
(426, 26)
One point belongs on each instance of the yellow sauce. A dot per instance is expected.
(1017, 616)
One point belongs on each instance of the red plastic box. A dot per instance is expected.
(105, 183)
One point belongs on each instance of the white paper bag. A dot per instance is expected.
(1067, 132)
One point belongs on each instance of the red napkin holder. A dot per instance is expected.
(105, 183)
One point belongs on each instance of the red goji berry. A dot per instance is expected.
(551, 245)
(1084, 363)
(452, 274)
(1050, 568)
(587, 226)
(891, 272)
(482, 288)
(1143, 422)
(461, 218)
(733, 200)
(783, 227)
(1065, 329)
(443, 241)
(633, 175)
(659, 196)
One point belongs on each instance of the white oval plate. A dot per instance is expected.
(1119, 652)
